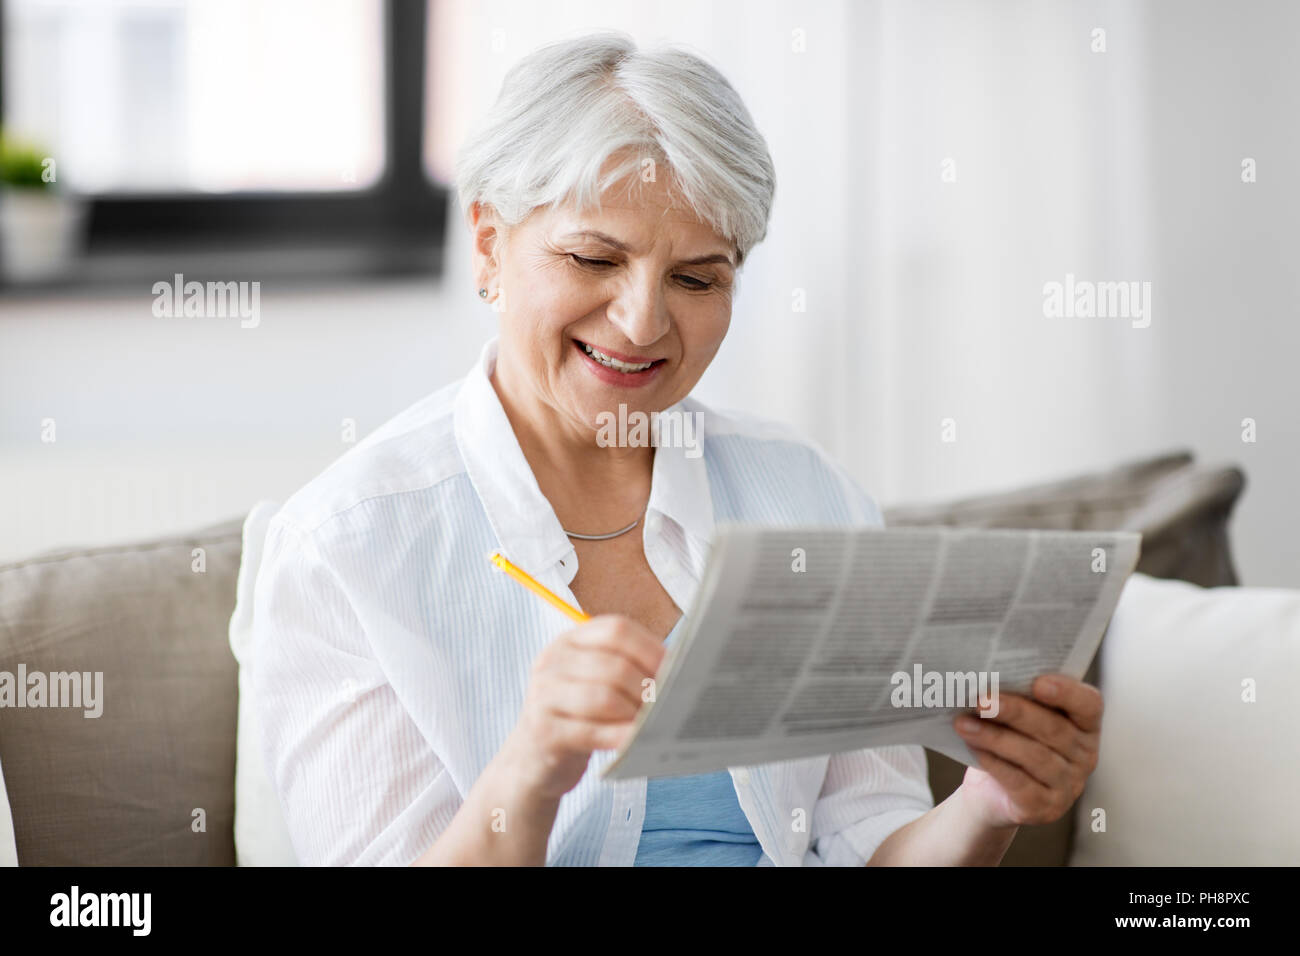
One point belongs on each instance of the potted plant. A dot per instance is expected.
(40, 224)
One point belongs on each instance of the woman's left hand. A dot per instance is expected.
(1036, 754)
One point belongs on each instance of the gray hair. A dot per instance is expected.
(566, 108)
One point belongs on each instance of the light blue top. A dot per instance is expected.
(695, 820)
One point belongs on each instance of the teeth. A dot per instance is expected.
(610, 362)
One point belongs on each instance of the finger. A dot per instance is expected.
(1082, 703)
(599, 666)
(1018, 784)
(585, 700)
(1039, 761)
(621, 635)
(1046, 725)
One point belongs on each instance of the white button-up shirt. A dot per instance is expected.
(392, 658)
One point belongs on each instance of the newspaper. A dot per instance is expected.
(810, 641)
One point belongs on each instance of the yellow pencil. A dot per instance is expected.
(528, 581)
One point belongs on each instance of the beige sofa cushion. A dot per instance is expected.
(124, 788)
(1199, 758)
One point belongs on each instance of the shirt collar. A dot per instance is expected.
(679, 487)
(523, 520)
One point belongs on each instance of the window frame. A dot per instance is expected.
(396, 225)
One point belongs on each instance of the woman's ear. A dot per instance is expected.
(486, 236)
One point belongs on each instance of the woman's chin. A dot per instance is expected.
(622, 424)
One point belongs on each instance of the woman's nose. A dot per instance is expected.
(640, 311)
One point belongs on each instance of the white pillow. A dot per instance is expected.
(8, 845)
(1190, 774)
(261, 837)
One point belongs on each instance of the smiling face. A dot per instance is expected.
(625, 305)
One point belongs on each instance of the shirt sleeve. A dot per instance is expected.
(866, 796)
(356, 780)
(861, 507)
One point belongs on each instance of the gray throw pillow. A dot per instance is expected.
(1182, 511)
(151, 780)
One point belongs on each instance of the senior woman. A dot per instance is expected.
(419, 707)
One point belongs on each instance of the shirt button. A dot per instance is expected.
(742, 777)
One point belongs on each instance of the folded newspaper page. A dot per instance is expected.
(810, 641)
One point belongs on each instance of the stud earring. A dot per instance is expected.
(482, 293)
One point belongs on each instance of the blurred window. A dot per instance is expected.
(199, 95)
(262, 131)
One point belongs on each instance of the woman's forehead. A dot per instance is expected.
(635, 233)
(629, 218)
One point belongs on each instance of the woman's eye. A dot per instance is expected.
(694, 283)
(690, 282)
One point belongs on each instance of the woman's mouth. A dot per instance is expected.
(618, 369)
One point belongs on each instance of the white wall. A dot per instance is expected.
(1117, 165)
(924, 297)
(162, 424)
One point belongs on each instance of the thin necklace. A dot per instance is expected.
(601, 537)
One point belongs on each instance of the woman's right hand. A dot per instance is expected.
(584, 693)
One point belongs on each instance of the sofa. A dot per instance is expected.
(153, 780)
